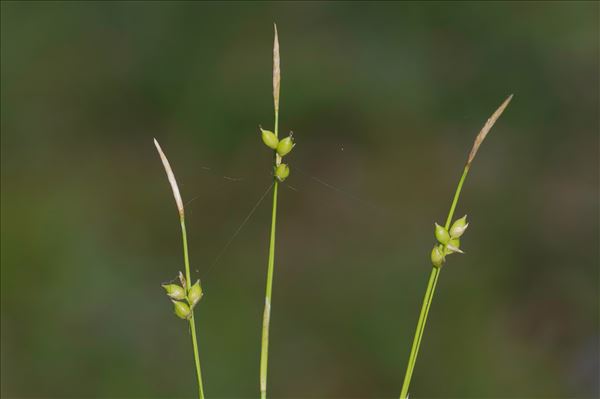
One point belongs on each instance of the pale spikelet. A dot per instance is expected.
(486, 129)
(171, 178)
(276, 70)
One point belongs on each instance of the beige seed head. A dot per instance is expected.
(276, 70)
(171, 178)
(486, 129)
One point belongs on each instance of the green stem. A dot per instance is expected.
(429, 293)
(433, 277)
(276, 123)
(264, 354)
(456, 195)
(264, 351)
(191, 320)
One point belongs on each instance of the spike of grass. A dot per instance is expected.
(264, 353)
(186, 259)
(435, 271)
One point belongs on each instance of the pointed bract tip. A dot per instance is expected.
(486, 129)
(455, 249)
(171, 177)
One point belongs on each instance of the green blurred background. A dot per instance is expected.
(385, 100)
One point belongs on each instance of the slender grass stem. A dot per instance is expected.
(431, 285)
(276, 122)
(419, 331)
(188, 279)
(264, 354)
(435, 272)
(456, 195)
(186, 259)
(196, 358)
(264, 351)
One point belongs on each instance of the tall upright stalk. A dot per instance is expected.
(188, 279)
(192, 293)
(281, 171)
(447, 249)
(264, 353)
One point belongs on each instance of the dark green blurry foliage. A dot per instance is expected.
(386, 97)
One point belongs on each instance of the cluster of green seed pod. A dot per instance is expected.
(184, 302)
(282, 147)
(448, 241)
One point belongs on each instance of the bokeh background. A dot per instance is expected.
(385, 100)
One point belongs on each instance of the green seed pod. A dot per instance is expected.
(269, 138)
(285, 146)
(437, 256)
(182, 310)
(174, 291)
(282, 172)
(441, 234)
(453, 246)
(195, 294)
(459, 227)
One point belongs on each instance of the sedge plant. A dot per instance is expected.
(280, 172)
(184, 295)
(448, 242)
